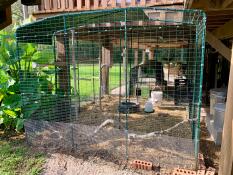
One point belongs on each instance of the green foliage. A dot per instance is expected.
(13, 109)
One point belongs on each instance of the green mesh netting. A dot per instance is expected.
(87, 77)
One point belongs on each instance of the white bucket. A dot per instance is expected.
(156, 96)
(217, 96)
(219, 112)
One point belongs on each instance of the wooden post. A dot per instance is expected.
(143, 56)
(226, 159)
(151, 54)
(135, 57)
(106, 63)
(63, 73)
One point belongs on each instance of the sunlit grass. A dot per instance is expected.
(17, 158)
(89, 81)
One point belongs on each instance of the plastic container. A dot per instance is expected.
(156, 96)
(217, 96)
(149, 108)
(219, 112)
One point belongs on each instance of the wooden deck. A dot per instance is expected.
(51, 7)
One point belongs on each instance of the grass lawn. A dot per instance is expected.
(89, 79)
(17, 158)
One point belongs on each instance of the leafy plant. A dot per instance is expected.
(13, 108)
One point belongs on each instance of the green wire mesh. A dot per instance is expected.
(86, 79)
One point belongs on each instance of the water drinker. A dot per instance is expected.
(149, 108)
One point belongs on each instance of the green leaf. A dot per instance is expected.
(1, 96)
(30, 50)
(14, 101)
(1, 120)
(14, 88)
(3, 77)
(10, 113)
(29, 109)
(43, 57)
(19, 124)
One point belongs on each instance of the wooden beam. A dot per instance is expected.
(149, 44)
(226, 3)
(4, 3)
(204, 5)
(218, 45)
(225, 31)
(226, 158)
(8, 20)
(188, 4)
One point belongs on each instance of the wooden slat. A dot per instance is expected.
(123, 3)
(63, 5)
(71, 4)
(113, 3)
(47, 4)
(133, 3)
(96, 4)
(87, 4)
(55, 5)
(68, 5)
(79, 5)
(104, 4)
(226, 158)
(143, 3)
(41, 6)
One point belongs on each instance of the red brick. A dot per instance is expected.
(180, 171)
(201, 172)
(144, 165)
(210, 171)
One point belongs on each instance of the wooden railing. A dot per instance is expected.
(59, 6)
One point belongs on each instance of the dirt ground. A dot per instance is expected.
(69, 163)
(65, 164)
(164, 117)
(61, 164)
(104, 152)
(208, 148)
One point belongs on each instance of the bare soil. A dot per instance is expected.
(61, 164)
(164, 117)
(208, 148)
